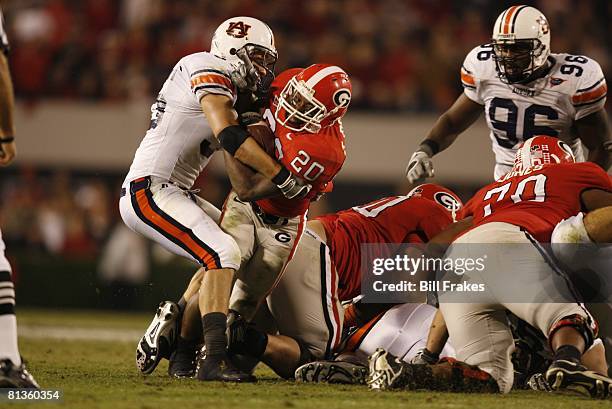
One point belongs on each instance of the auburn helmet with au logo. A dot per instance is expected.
(247, 42)
(315, 98)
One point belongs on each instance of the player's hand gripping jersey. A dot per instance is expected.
(537, 197)
(179, 142)
(414, 218)
(573, 88)
(314, 157)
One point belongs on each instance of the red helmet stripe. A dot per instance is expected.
(508, 18)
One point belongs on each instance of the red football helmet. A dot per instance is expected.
(438, 194)
(315, 98)
(542, 150)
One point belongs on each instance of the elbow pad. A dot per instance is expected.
(232, 137)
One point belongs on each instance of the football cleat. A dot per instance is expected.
(332, 372)
(159, 339)
(538, 382)
(564, 375)
(182, 364)
(384, 370)
(13, 376)
(214, 368)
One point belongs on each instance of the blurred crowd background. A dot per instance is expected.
(403, 56)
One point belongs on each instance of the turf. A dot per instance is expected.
(95, 374)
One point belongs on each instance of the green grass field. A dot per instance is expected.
(102, 374)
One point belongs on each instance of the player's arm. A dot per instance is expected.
(598, 221)
(437, 246)
(594, 226)
(8, 147)
(436, 339)
(449, 125)
(248, 184)
(222, 119)
(594, 132)
(598, 225)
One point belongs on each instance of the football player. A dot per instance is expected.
(326, 271)
(526, 90)
(544, 187)
(13, 373)
(191, 119)
(304, 114)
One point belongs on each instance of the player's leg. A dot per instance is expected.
(305, 309)
(174, 218)
(12, 370)
(239, 227)
(276, 242)
(483, 344)
(569, 327)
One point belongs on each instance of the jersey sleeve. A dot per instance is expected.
(208, 78)
(470, 70)
(591, 90)
(593, 176)
(468, 209)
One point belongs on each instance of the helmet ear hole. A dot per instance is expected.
(233, 51)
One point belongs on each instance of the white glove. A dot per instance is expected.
(571, 230)
(294, 188)
(419, 167)
(241, 77)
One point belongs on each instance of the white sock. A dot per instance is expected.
(8, 323)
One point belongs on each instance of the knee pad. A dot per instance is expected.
(586, 326)
(230, 253)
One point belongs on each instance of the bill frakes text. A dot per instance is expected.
(438, 286)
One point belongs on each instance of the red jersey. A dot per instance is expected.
(316, 158)
(396, 219)
(538, 200)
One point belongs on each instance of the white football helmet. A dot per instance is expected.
(248, 44)
(521, 43)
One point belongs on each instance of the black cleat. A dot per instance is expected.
(564, 375)
(159, 339)
(183, 364)
(13, 376)
(332, 372)
(214, 368)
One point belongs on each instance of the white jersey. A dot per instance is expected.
(179, 143)
(573, 88)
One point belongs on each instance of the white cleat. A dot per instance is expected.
(159, 339)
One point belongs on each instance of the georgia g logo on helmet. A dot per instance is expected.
(238, 29)
(447, 201)
(342, 97)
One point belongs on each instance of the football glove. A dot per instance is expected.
(419, 167)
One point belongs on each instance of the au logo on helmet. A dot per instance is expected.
(543, 24)
(238, 29)
(342, 97)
